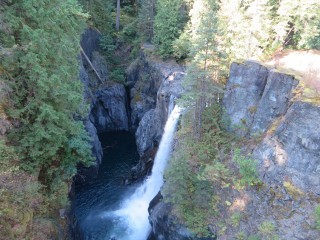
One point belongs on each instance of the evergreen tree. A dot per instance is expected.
(46, 93)
(246, 28)
(167, 25)
(298, 24)
(146, 18)
(203, 71)
(118, 16)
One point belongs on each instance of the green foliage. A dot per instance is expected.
(8, 156)
(46, 93)
(146, 18)
(102, 15)
(195, 167)
(298, 24)
(240, 236)
(235, 219)
(19, 200)
(182, 46)
(167, 25)
(267, 230)
(253, 237)
(317, 215)
(247, 169)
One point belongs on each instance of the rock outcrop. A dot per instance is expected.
(255, 96)
(153, 84)
(281, 132)
(260, 101)
(264, 104)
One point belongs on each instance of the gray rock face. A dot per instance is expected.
(153, 85)
(292, 152)
(90, 42)
(95, 142)
(243, 92)
(255, 96)
(149, 132)
(109, 110)
(100, 65)
(274, 101)
(288, 155)
(92, 131)
(144, 81)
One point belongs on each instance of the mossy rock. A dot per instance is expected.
(292, 190)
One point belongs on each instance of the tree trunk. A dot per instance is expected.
(118, 16)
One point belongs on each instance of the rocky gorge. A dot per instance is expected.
(261, 103)
(140, 105)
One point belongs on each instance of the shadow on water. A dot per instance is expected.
(97, 198)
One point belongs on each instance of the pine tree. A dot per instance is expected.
(146, 18)
(203, 71)
(46, 93)
(246, 28)
(298, 24)
(167, 25)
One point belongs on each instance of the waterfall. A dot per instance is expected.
(171, 105)
(132, 218)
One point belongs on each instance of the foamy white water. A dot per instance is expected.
(133, 215)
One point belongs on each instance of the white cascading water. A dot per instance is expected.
(134, 211)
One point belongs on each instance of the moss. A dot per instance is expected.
(294, 191)
(274, 126)
(137, 97)
(240, 236)
(267, 230)
(317, 216)
(253, 109)
(235, 219)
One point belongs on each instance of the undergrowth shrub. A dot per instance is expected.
(247, 169)
(197, 166)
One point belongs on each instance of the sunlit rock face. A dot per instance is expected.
(292, 151)
(264, 105)
(243, 93)
(255, 96)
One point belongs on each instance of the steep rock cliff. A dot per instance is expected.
(154, 85)
(109, 108)
(107, 100)
(266, 106)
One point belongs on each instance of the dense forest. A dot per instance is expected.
(42, 135)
